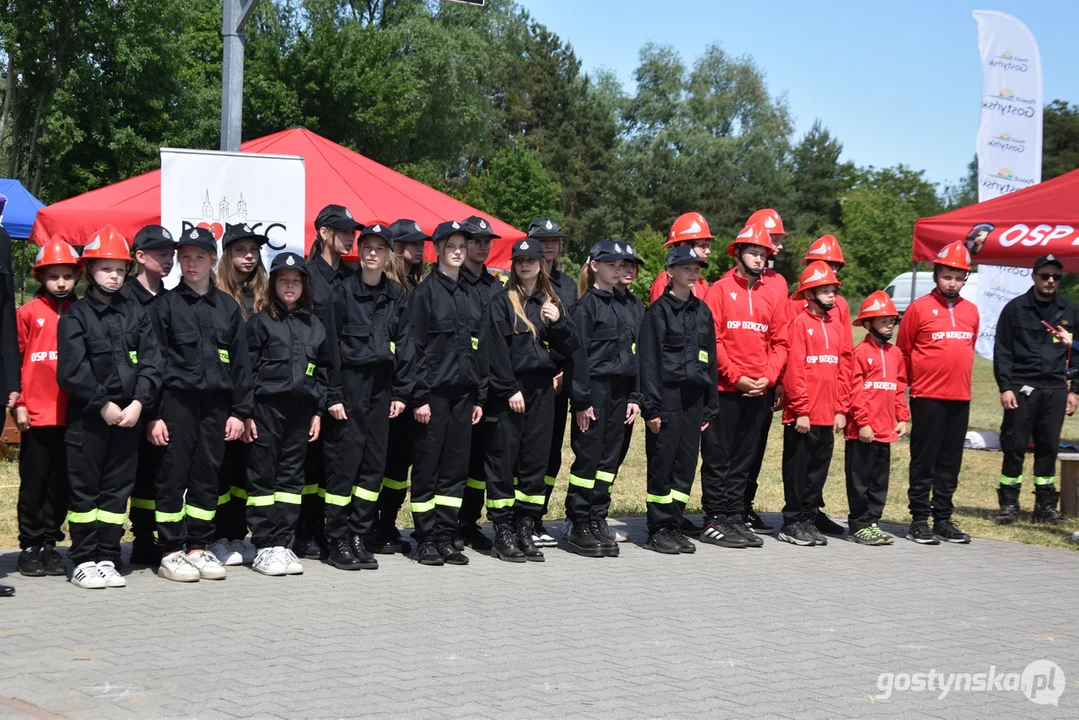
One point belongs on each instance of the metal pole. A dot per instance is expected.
(913, 281)
(234, 19)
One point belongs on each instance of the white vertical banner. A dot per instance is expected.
(1009, 144)
(213, 189)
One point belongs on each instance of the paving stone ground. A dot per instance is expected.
(779, 632)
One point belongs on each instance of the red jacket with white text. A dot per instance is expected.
(878, 384)
(937, 340)
(750, 330)
(41, 395)
(817, 378)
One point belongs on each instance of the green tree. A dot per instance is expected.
(515, 188)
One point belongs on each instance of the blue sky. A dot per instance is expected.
(896, 82)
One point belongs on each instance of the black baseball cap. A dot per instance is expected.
(683, 255)
(607, 251)
(153, 237)
(288, 261)
(241, 231)
(480, 227)
(545, 227)
(1049, 259)
(380, 229)
(526, 249)
(445, 229)
(407, 231)
(338, 217)
(628, 253)
(200, 238)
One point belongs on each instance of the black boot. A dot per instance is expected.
(1045, 506)
(505, 545)
(526, 527)
(608, 547)
(1008, 496)
(144, 551)
(581, 541)
(363, 555)
(30, 563)
(339, 554)
(450, 554)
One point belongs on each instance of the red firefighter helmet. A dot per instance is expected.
(56, 252)
(770, 219)
(825, 248)
(107, 244)
(878, 304)
(816, 275)
(688, 227)
(753, 234)
(954, 255)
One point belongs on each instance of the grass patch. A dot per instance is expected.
(975, 500)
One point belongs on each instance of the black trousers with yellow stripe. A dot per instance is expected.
(672, 454)
(186, 501)
(596, 451)
(483, 434)
(440, 463)
(275, 468)
(491, 461)
(145, 492)
(231, 520)
(101, 461)
(531, 443)
(359, 452)
(395, 477)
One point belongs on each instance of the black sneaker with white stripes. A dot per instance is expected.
(718, 530)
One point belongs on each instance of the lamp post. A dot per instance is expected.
(234, 19)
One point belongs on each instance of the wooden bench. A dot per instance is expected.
(1069, 484)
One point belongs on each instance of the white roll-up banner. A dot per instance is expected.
(1009, 145)
(211, 189)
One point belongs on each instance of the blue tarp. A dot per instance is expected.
(20, 210)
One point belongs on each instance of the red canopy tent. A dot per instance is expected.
(334, 174)
(1012, 229)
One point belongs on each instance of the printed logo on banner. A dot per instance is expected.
(975, 239)
(1007, 174)
(1008, 61)
(1008, 143)
(1005, 102)
(214, 219)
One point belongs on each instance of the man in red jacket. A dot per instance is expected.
(817, 384)
(689, 229)
(937, 338)
(751, 349)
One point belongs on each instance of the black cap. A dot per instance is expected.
(526, 249)
(445, 229)
(407, 231)
(200, 238)
(545, 227)
(683, 255)
(480, 227)
(241, 231)
(153, 237)
(380, 229)
(1049, 259)
(628, 253)
(288, 261)
(607, 251)
(338, 217)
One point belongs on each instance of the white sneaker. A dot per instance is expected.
(86, 576)
(113, 579)
(209, 567)
(620, 536)
(175, 567)
(225, 553)
(270, 561)
(247, 552)
(293, 566)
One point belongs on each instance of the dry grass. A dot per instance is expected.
(975, 499)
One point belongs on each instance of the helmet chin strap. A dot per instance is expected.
(821, 305)
(748, 269)
(879, 335)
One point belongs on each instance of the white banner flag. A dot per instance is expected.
(211, 189)
(1009, 144)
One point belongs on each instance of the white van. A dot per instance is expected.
(899, 288)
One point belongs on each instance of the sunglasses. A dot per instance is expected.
(1050, 276)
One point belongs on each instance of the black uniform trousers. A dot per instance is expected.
(1041, 415)
(483, 434)
(231, 520)
(43, 486)
(101, 462)
(395, 476)
(672, 454)
(806, 458)
(596, 451)
(440, 463)
(360, 452)
(558, 438)
(501, 426)
(758, 457)
(143, 497)
(868, 467)
(186, 501)
(728, 448)
(311, 522)
(275, 468)
(529, 445)
(938, 430)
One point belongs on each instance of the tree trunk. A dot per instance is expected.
(31, 156)
(9, 91)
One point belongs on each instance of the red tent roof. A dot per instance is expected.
(334, 174)
(1012, 229)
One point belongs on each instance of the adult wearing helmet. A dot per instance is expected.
(751, 349)
(937, 338)
(690, 229)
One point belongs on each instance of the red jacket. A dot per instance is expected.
(937, 342)
(817, 376)
(771, 279)
(877, 397)
(660, 284)
(841, 311)
(41, 396)
(750, 330)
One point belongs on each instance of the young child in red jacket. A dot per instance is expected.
(817, 385)
(878, 417)
(40, 413)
